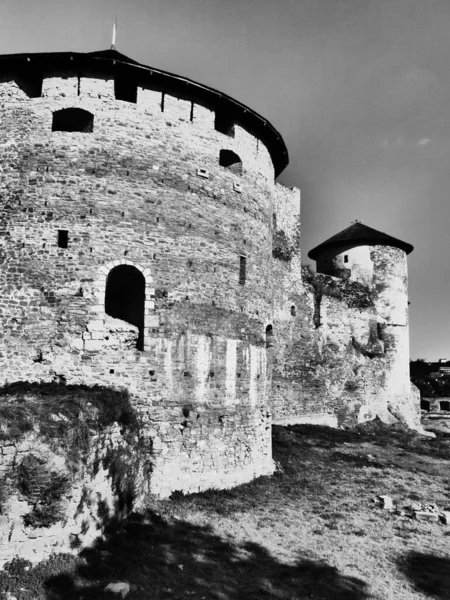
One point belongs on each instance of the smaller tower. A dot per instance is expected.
(379, 261)
(348, 254)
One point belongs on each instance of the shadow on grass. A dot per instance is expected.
(428, 573)
(176, 559)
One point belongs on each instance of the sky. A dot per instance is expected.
(359, 90)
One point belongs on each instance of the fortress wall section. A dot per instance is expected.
(287, 211)
(286, 251)
(337, 361)
(34, 532)
(144, 190)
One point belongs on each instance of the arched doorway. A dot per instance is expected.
(125, 297)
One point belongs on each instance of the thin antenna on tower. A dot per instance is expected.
(113, 45)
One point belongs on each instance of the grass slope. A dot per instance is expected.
(310, 531)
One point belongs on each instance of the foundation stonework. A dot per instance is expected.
(134, 256)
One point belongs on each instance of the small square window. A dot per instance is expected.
(203, 173)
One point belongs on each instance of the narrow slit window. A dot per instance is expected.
(269, 336)
(63, 238)
(346, 258)
(230, 160)
(224, 123)
(73, 119)
(242, 269)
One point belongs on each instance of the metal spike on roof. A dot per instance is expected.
(114, 34)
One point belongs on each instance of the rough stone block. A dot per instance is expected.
(386, 502)
(429, 517)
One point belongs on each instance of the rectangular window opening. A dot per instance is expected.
(63, 238)
(346, 258)
(125, 89)
(242, 269)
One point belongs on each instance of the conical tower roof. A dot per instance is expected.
(359, 234)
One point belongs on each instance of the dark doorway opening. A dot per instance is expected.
(444, 405)
(125, 297)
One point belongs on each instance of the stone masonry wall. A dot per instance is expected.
(90, 499)
(143, 189)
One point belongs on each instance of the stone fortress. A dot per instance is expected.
(145, 244)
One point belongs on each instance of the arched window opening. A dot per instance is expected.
(269, 336)
(125, 297)
(293, 310)
(224, 123)
(125, 89)
(230, 160)
(73, 119)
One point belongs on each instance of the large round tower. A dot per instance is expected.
(136, 249)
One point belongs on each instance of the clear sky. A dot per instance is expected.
(359, 89)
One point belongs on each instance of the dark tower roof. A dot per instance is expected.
(111, 62)
(359, 234)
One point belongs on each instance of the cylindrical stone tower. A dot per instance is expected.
(136, 249)
(378, 261)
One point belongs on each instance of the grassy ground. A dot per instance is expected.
(312, 530)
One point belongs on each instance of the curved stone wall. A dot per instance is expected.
(142, 186)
